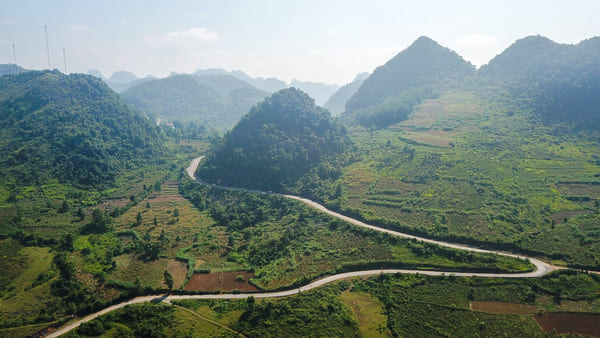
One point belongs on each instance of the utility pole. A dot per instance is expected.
(47, 47)
(65, 58)
(14, 54)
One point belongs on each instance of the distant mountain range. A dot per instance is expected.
(337, 102)
(121, 80)
(317, 90)
(216, 100)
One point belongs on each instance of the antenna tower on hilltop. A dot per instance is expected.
(65, 58)
(47, 48)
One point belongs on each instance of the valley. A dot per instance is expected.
(440, 200)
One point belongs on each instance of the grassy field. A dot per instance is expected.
(24, 283)
(470, 170)
(368, 312)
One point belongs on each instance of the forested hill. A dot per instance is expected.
(277, 142)
(425, 62)
(73, 128)
(559, 82)
(215, 100)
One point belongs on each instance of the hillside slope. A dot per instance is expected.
(424, 62)
(215, 100)
(73, 128)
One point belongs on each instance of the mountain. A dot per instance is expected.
(176, 97)
(73, 128)
(121, 87)
(337, 102)
(11, 68)
(318, 90)
(268, 85)
(424, 62)
(222, 83)
(396, 88)
(122, 77)
(560, 82)
(215, 100)
(96, 73)
(276, 143)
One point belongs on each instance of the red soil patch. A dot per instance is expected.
(503, 308)
(223, 281)
(570, 323)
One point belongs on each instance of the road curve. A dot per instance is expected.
(541, 268)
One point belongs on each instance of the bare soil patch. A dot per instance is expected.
(570, 323)
(223, 281)
(503, 308)
(178, 270)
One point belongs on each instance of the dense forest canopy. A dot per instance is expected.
(69, 127)
(277, 142)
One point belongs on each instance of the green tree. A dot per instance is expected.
(64, 207)
(168, 280)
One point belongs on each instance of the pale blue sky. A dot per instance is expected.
(328, 41)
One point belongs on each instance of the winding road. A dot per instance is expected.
(541, 268)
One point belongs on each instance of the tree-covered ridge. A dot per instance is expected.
(277, 142)
(73, 128)
(215, 100)
(424, 63)
(11, 68)
(559, 82)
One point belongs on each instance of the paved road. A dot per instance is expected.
(541, 268)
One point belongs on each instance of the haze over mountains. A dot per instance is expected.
(336, 103)
(216, 100)
(96, 208)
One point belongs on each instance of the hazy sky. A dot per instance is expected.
(329, 41)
